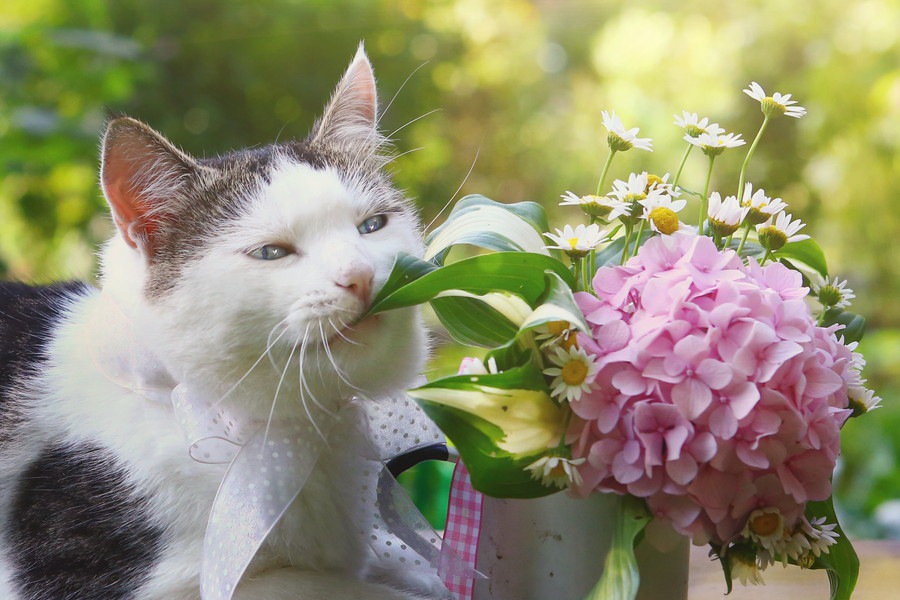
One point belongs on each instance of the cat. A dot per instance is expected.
(242, 279)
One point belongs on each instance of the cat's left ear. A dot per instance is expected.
(143, 177)
(351, 116)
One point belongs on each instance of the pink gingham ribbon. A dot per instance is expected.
(461, 533)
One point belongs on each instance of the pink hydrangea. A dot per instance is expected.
(717, 394)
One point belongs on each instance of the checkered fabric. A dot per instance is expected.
(461, 533)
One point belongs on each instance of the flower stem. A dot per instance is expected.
(762, 128)
(744, 238)
(602, 182)
(704, 202)
(628, 230)
(681, 166)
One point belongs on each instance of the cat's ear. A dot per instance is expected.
(142, 175)
(351, 116)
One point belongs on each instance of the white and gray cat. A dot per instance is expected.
(216, 263)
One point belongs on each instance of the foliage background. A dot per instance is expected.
(517, 85)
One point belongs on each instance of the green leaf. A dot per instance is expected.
(557, 303)
(415, 281)
(481, 222)
(854, 324)
(805, 252)
(473, 322)
(621, 579)
(841, 562)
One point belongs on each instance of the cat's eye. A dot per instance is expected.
(271, 252)
(372, 224)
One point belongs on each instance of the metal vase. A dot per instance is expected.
(553, 548)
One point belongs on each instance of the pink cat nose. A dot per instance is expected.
(357, 281)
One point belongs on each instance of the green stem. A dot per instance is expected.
(591, 269)
(579, 276)
(681, 166)
(637, 242)
(766, 257)
(628, 230)
(762, 128)
(603, 173)
(744, 238)
(565, 428)
(704, 202)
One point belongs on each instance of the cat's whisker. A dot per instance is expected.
(408, 123)
(453, 197)
(250, 370)
(340, 332)
(305, 386)
(287, 366)
(397, 93)
(337, 370)
(401, 154)
(269, 344)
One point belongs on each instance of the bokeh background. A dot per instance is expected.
(509, 89)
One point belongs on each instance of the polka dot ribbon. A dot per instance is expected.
(269, 468)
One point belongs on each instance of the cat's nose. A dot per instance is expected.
(357, 280)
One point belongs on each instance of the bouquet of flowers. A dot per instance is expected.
(702, 368)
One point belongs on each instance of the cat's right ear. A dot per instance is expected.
(142, 174)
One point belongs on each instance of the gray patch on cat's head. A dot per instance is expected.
(191, 201)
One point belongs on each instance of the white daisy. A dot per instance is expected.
(776, 104)
(556, 471)
(621, 139)
(632, 190)
(821, 535)
(725, 216)
(694, 126)
(598, 207)
(579, 241)
(833, 293)
(765, 527)
(714, 144)
(762, 208)
(779, 230)
(861, 400)
(661, 210)
(573, 374)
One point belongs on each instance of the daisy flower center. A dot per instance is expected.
(574, 373)
(665, 220)
(772, 238)
(617, 143)
(769, 106)
(557, 327)
(766, 525)
(830, 295)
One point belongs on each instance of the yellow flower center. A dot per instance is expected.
(665, 219)
(557, 327)
(569, 341)
(651, 181)
(766, 524)
(574, 372)
(573, 243)
(558, 471)
(769, 106)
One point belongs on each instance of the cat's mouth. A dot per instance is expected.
(350, 334)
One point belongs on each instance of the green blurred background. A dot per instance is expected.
(519, 85)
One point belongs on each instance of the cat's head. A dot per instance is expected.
(280, 247)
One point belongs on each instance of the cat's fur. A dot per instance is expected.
(99, 499)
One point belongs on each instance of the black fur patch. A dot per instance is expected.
(76, 532)
(27, 316)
